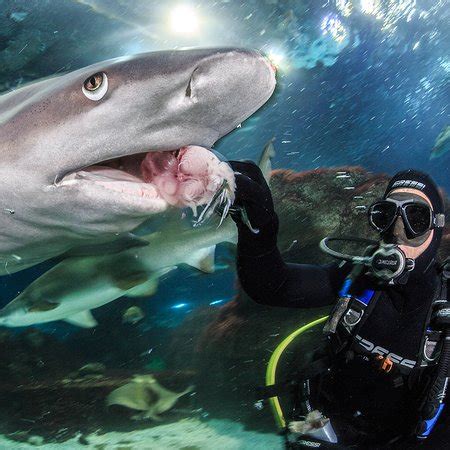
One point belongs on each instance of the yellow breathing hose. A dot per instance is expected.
(272, 367)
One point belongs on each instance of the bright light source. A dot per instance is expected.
(276, 58)
(183, 19)
(345, 7)
(370, 6)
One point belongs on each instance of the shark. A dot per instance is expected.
(90, 155)
(75, 286)
(442, 144)
(78, 284)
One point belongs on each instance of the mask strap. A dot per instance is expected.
(439, 220)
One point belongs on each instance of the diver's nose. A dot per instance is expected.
(399, 228)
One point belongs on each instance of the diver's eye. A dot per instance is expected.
(95, 87)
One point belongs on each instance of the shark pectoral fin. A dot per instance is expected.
(149, 287)
(123, 242)
(83, 319)
(42, 306)
(202, 259)
(146, 289)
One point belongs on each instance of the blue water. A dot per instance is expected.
(378, 98)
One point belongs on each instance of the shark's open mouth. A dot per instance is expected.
(189, 176)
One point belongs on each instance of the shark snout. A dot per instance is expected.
(241, 69)
(231, 85)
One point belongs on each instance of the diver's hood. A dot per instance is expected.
(413, 179)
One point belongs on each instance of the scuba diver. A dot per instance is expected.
(382, 376)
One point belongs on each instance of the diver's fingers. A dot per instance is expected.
(247, 190)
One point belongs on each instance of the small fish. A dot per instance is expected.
(133, 315)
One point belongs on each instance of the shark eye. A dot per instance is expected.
(96, 86)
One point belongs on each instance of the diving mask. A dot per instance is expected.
(417, 216)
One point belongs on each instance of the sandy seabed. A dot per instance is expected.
(188, 434)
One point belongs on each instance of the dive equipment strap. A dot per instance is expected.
(343, 301)
(349, 313)
(433, 404)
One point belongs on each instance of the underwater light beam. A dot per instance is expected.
(333, 26)
(370, 6)
(277, 58)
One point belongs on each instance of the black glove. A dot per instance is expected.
(253, 209)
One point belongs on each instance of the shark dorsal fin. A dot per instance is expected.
(265, 160)
(202, 259)
(83, 319)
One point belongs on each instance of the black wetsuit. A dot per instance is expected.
(383, 406)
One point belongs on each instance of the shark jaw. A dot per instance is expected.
(152, 176)
(190, 176)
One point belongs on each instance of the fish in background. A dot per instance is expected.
(90, 155)
(78, 284)
(69, 290)
(145, 394)
(442, 144)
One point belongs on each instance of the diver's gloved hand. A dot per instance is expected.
(253, 209)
